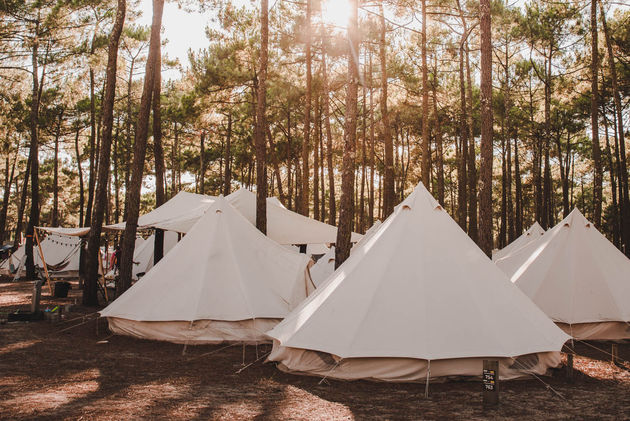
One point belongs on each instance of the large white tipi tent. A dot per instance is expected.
(533, 233)
(223, 282)
(419, 299)
(576, 276)
(61, 253)
(325, 266)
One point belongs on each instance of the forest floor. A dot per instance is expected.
(81, 373)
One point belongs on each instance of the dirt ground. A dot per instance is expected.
(68, 370)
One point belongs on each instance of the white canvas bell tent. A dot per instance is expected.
(181, 212)
(223, 282)
(419, 299)
(576, 276)
(61, 253)
(533, 233)
(325, 266)
(178, 214)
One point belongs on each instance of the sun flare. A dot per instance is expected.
(336, 12)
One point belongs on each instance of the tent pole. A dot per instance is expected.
(41, 254)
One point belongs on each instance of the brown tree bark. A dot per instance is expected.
(518, 187)
(596, 151)
(316, 136)
(140, 148)
(388, 144)
(8, 180)
(90, 292)
(227, 177)
(372, 150)
(158, 152)
(202, 162)
(305, 199)
(80, 176)
(462, 176)
(332, 214)
(55, 210)
(426, 151)
(624, 199)
(261, 122)
(438, 136)
(34, 159)
(485, 173)
(346, 211)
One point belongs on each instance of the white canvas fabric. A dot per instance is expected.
(299, 361)
(178, 214)
(283, 226)
(60, 252)
(325, 266)
(533, 233)
(573, 273)
(224, 269)
(418, 288)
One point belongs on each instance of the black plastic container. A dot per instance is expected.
(61, 289)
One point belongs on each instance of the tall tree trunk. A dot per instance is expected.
(202, 162)
(129, 133)
(34, 152)
(316, 136)
(485, 176)
(346, 211)
(261, 122)
(140, 149)
(613, 185)
(388, 144)
(462, 175)
(80, 176)
(274, 160)
(332, 214)
(289, 157)
(8, 180)
(361, 225)
(426, 151)
(438, 136)
(22, 204)
(55, 210)
(321, 168)
(92, 169)
(174, 160)
(158, 151)
(472, 156)
(115, 155)
(624, 199)
(518, 189)
(372, 150)
(597, 164)
(227, 177)
(307, 117)
(547, 185)
(90, 291)
(510, 197)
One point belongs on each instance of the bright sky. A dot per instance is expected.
(183, 31)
